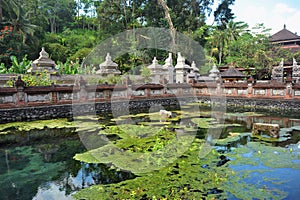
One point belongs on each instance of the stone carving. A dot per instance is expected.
(272, 129)
(277, 72)
(296, 71)
(108, 67)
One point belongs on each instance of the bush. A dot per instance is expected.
(42, 79)
(57, 52)
(80, 54)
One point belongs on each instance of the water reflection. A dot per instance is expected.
(44, 168)
(48, 171)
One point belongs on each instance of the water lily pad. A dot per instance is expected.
(203, 122)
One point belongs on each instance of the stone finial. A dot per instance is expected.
(294, 62)
(181, 63)
(214, 69)
(180, 58)
(108, 62)
(156, 71)
(169, 60)
(43, 53)
(194, 67)
(154, 61)
(214, 72)
(154, 64)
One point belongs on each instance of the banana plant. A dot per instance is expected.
(19, 67)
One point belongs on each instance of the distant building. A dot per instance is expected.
(232, 75)
(286, 39)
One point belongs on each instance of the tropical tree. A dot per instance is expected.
(9, 7)
(18, 31)
(252, 50)
(223, 14)
(221, 38)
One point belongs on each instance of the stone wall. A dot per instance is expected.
(22, 103)
(121, 107)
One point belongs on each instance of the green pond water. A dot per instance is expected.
(195, 154)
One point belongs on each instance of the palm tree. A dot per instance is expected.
(235, 29)
(17, 17)
(10, 6)
(22, 24)
(222, 36)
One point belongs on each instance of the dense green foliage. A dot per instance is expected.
(70, 29)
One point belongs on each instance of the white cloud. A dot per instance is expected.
(283, 8)
(284, 14)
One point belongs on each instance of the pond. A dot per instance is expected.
(195, 154)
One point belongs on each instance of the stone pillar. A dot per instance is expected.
(250, 82)
(54, 94)
(218, 89)
(169, 69)
(157, 72)
(129, 90)
(82, 92)
(21, 95)
(296, 71)
(181, 69)
(277, 72)
(289, 88)
(147, 92)
(107, 94)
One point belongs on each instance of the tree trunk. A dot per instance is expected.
(220, 56)
(163, 3)
(52, 25)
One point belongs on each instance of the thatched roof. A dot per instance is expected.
(284, 35)
(232, 72)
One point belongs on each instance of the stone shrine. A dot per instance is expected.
(169, 69)
(108, 67)
(181, 69)
(157, 72)
(214, 73)
(43, 63)
(194, 73)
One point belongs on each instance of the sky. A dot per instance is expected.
(273, 13)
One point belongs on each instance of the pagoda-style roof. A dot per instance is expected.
(284, 35)
(43, 63)
(108, 67)
(232, 72)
